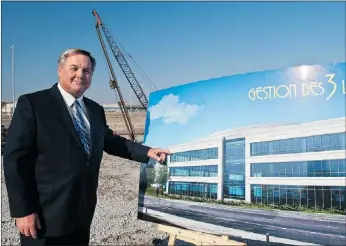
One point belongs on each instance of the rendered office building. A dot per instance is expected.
(296, 164)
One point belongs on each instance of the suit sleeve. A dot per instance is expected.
(19, 160)
(122, 147)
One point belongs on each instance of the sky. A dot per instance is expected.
(174, 43)
(186, 113)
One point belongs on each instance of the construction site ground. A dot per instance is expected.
(115, 219)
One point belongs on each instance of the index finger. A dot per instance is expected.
(165, 151)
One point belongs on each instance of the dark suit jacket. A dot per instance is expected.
(46, 169)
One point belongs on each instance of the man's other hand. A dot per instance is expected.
(27, 225)
(158, 154)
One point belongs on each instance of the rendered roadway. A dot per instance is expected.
(322, 229)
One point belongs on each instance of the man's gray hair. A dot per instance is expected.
(69, 52)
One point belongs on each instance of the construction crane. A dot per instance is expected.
(126, 70)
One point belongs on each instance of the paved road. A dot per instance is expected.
(305, 227)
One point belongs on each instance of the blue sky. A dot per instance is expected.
(173, 42)
(188, 112)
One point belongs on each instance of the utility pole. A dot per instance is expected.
(13, 83)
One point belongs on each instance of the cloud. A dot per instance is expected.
(173, 111)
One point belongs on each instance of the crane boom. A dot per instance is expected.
(114, 85)
(123, 63)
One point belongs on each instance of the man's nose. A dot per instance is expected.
(79, 73)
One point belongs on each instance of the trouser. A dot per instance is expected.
(79, 237)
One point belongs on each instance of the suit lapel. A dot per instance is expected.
(65, 117)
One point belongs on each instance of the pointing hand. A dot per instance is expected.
(158, 154)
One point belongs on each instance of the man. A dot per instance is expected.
(53, 153)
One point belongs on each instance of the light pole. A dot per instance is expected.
(13, 84)
(130, 104)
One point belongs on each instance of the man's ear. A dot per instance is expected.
(59, 70)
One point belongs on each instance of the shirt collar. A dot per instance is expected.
(69, 99)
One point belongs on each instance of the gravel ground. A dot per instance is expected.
(115, 221)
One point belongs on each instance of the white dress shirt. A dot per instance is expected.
(69, 100)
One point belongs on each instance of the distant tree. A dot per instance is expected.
(150, 172)
(161, 174)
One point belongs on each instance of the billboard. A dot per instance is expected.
(247, 149)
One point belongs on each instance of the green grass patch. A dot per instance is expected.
(152, 192)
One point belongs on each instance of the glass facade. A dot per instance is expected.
(194, 189)
(234, 172)
(195, 155)
(194, 171)
(326, 142)
(321, 168)
(307, 196)
(234, 169)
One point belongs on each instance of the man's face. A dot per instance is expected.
(75, 76)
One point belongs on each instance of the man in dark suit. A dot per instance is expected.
(53, 153)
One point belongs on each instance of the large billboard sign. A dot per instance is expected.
(246, 147)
